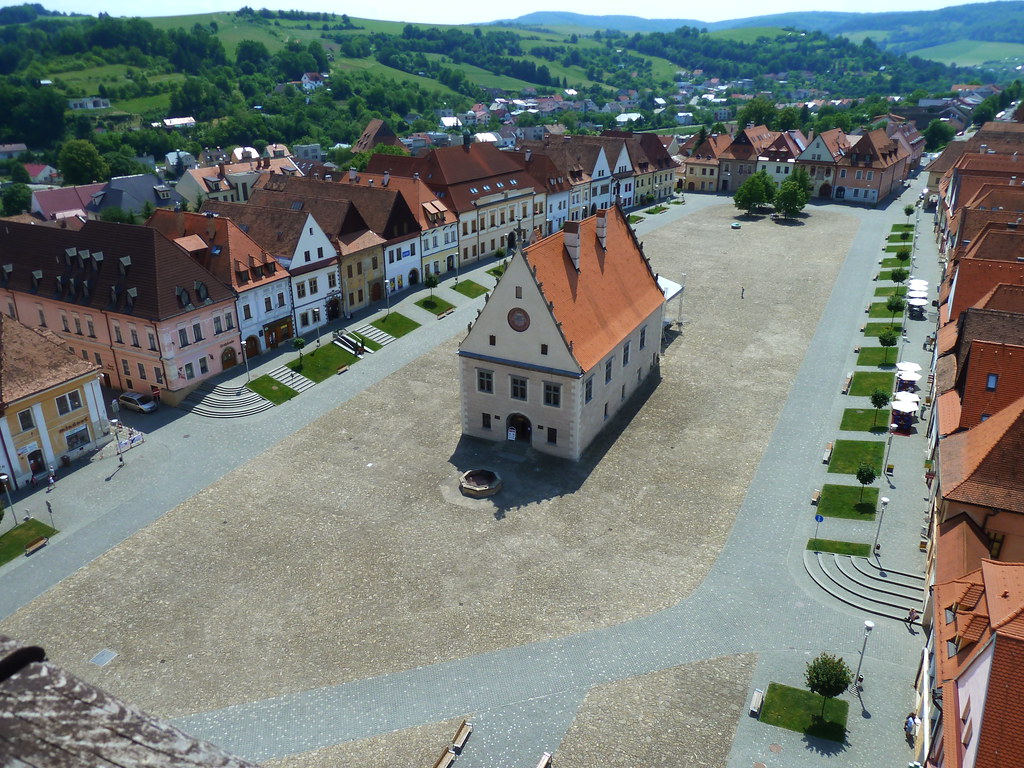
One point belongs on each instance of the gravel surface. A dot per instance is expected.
(345, 551)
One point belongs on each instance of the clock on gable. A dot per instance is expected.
(518, 319)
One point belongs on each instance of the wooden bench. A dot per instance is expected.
(816, 497)
(35, 545)
(342, 369)
(446, 759)
(755, 703)
(826, 457)
(545, 760)
(856, 350)
(462, 736)
(446, 313)
(846, 385)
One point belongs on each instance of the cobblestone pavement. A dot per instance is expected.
(378, 600)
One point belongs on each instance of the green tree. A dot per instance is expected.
(430, 281)
(888, 338)
(803, 179)
(80, 162)
(299, 343)
(908, 211)
(899, 275)
(117, 215)
(19, 174)
(828, 676)
(791, 198)
(16, 199)
(879, 399)
(756, 191)
(938, 134)
(757, 111)
(866, 474)
(895, 304)
(903, 254)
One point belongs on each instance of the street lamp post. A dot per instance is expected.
(6, 479)
(878, 531)
(245, 359)
(387, 295)
(858, 680)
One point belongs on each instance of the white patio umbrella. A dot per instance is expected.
(906, 365)
(917, 302)
(906, 397)
(912, 283)
(902, 406)
(917, 294)
(908, 376)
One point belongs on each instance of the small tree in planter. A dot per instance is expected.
(866, 475)
(895, 304)
(430, 281)
(828, 676)
(899, 275)
(298, 343)
(879, 399)
(903, 254)
(908, 211)
(888, 338)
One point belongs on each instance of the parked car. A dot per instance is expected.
(137, 401)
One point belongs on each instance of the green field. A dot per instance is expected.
(747, 34)
(970, 53)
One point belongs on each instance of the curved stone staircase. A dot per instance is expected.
(225, 401)
(859, 582)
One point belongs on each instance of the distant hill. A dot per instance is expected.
(944, 32)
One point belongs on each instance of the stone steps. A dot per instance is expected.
(290, 378)
(225, 402)
(375, 334)
(860, 583)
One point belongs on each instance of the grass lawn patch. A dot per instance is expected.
(866, 382)
(902, 227)
(678, 202)
(877, 356)
(656, 209)
(839, 547)
(879, 310)
(891, 290)
(12, 543)
(845, 501)
(469, 288)
(798, 710)
(848, 455)
(896, 238)
(875, 330)
(892, 248)
(893, 262)
(496, 271)
(369, 343)
(866, 420)
(395, 323)
(272, 389)
(434, 304)
(634, 219)
(319, 364)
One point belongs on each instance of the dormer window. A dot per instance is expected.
(124, 263)
(991, 382)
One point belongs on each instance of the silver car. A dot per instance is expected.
(137, 401)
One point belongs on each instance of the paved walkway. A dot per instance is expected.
(758, 596)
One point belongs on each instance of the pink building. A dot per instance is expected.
(124, 297)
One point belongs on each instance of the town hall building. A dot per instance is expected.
(571, 330)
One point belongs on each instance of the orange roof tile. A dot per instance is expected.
(946, 338)
(1004, 298)
(1004, 590)
(1001, 740)
(976, 277)
(610, 295)
(948, 412)
(945, 371)
(34, 360)
(987, 358)
(960, 547)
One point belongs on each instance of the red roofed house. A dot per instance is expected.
(871, 168)
(571, 330)
(39, 173)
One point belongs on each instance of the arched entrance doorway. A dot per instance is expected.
(376, 292)
(334, 308)
(36, 462)
(690, 187)
(825, 191)
(451, 262)
(228, 358)
(252, 347)
(414, 276)
(840, 193)
(521, 425)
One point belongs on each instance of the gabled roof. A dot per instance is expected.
(982, 465)
(996, 241)
(376, 132)
(140, 272)
(221, 246)
(276, 230)
(66, 201)
(542, 169)
(976, 277)
(611, 292)
(987, 358)
(960, 547)
(34, 360)
(131, 193)
(749, 143)
(716, 145)
(874, 150)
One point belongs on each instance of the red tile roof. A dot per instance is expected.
(66, 201)
(611, 293)
(34, 360)
(960, 547)
(975, 278)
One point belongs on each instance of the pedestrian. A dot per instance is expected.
(742, 291)
(51, 482)
(912, 616)
(910, 726)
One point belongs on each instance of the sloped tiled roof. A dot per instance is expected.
(982, 465)
(376, 132)
(960, 547)
(276, 230)
(873, 150)
(984, 359)
(66, 201)
(749, 143)
(610, 294)
(996, 241)
(948, 411)
(1002, 735)
(1004, 298)
(152, 265)
(34, 360)
(976, 277)
(131, 193)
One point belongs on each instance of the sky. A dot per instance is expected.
(461, 12)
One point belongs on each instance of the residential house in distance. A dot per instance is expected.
(739, 159)
(311, 153)
(276, 150)
(40, 173)
(653, 166)
(312, 80)
(64, 202)
(820, 159)
(550, 178)
(231, 183)
(873, 167)
(569, 333)
(89, 102)
(51, 406)
(703, 165)
(488, 191)
(132, 194)
(12, 151)
(778, 159)
(376, 132)
(124, 297)
(214, 156)
(263, 306)
(178, 161)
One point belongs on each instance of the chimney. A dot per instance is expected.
(387, 178)
(211, 229)
(529, 154)
(571, 238)
(466, 140)
(370, 182)
(220, 170)
(602, 228)
(179, 219)
(416, 175)
(352, 174)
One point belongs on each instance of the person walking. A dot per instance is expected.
(912, 616)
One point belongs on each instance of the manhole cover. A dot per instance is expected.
(776, 748)
(102, 658)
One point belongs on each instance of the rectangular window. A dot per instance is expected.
(126, 368)
(117, 334)
(485, 381)
(871, 175)
(218, 324)
(203, 366)
(135, 337)
(280, 299)
(608, 371)
(85, 354)
(190, 371)
(991, 382)
(247, 312)
(332, 280)
(486, 422)
(182, 337)
(320, 252)
(349, 271)
(152, 341)
(42, 317)
(64, 324)
(492, 340)
(588, 390)
(304, 319)
(625, 355)
(842, 173)
(158, 374)
(359, 267)
(25, 419)
(306, 254)
(552, 436)
(859, 174)
(142, 371)
(91, 328)
(643, 337)
(300, 290)
(78, 325)
(553, 395)
(313, 288)
(72, 401)
(77, 437)
(98, 358)
(543, 349)
(517, 387)
(268, 304)
(197, 331)
(229, 320)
